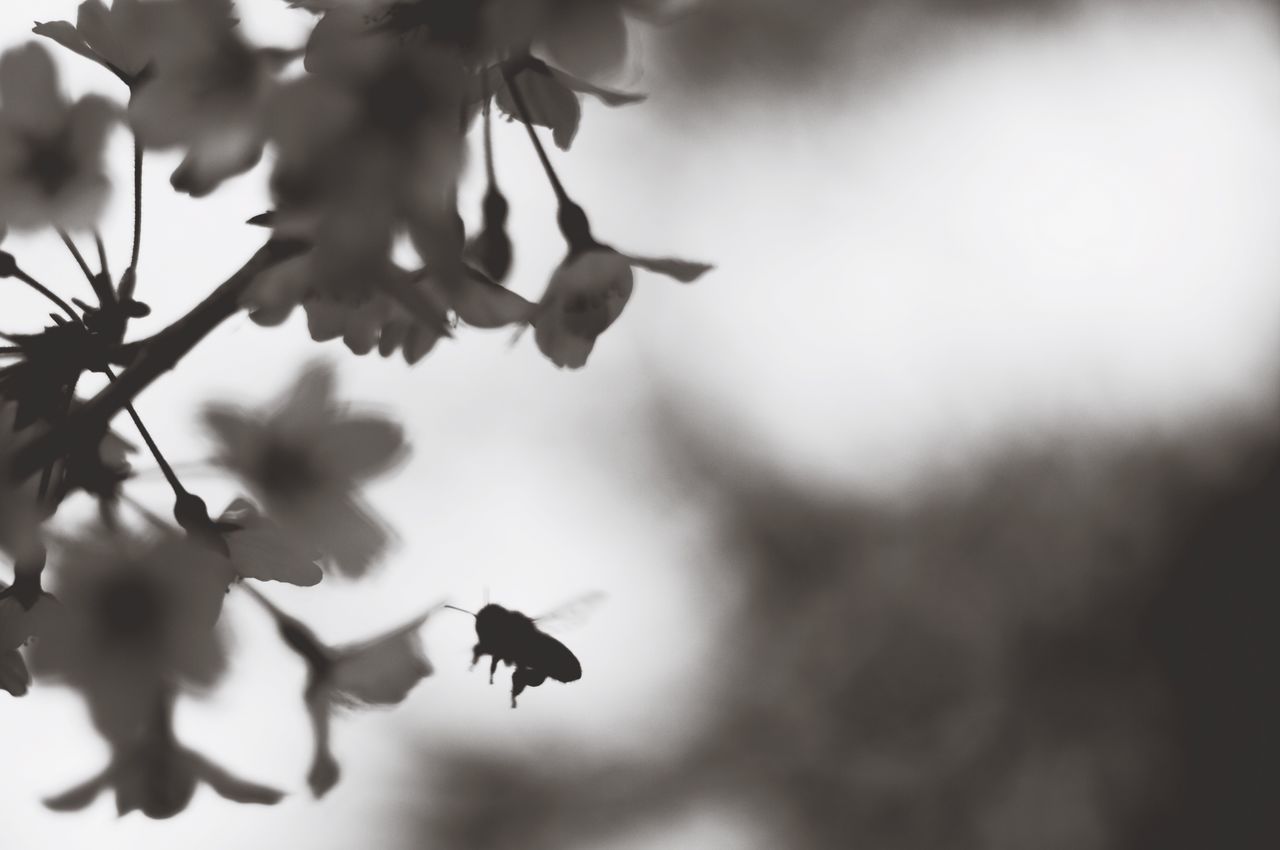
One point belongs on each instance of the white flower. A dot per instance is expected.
(586, 295)
(51, 169)
(304, 462)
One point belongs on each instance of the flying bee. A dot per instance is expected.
(512, 638)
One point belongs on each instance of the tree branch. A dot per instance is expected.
(162, 353)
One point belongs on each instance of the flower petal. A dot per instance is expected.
(609, 97)
(481, 303)
(684, 271)
(381, 671)
(362, 446)
(79, 797)
(549, 103)
(66, 34)
(230, 786)
(260, 549)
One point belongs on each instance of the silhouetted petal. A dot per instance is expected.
(51, 169)
(479, 301)
(381, 671)
(261, 549)
(548, 102)
(113, 36)
(685, 271)
(297, 459)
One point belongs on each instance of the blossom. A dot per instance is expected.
(206, 90)
(587, 293)
(152, 773)
(113, 36)
(369, 146)
(51, 169)
(304, 460)
(377, 672)
(137, 619)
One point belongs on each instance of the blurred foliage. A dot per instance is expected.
(1072, 646)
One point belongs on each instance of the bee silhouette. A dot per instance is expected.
(514, 639)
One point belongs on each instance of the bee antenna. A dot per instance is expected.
(463, 610)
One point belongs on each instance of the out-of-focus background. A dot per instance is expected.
(938, 516)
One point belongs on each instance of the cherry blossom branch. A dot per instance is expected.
(161, 353)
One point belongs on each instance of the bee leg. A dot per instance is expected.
(517, 684)
(493, 668)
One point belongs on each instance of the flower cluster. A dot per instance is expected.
(370, 123)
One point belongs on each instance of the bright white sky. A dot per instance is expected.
(1019, 228)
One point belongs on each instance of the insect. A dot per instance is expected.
(514, 639)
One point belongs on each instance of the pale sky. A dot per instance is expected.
(1045, 226)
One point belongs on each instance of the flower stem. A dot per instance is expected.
(169, 475)
(163, 352)
(556, 186)
(129, 281)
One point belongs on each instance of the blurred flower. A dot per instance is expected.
(152, 773)
(51, 169)
(586, 295)
(114, 36)
(378, 672)
(260, 549)
(137, 619)
(304, 461)
(206, 90)
(369, 145)
(195, 82)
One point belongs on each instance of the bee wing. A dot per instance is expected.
(571, 614)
